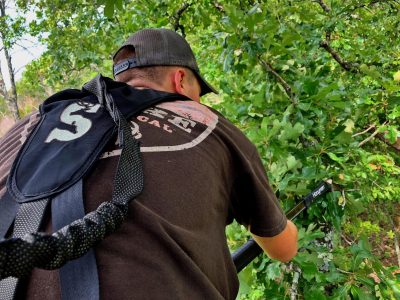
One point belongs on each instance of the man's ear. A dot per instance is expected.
(178, 81)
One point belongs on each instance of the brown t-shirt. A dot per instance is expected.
(201, 172)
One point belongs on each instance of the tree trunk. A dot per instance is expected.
(3, 89)
(11, 100)
(12, 105)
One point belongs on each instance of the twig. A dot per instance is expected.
(344, 64)
(372, 135)
(344, 198)
(374, 182)
(365, 131)
(344, 272)
(281, 81)
(396, 247)
(324, 6)
(346, 240)
(26, 49)
(178, 16)
(328, 36)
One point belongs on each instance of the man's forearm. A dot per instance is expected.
(282, 247)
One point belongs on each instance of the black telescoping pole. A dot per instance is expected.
(250, 250)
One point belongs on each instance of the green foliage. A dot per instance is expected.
(341, 273)
(317, 89)
(11, 29)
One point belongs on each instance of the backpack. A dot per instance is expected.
(74, 128)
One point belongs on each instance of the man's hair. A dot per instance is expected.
(153, 73)
(156, 74)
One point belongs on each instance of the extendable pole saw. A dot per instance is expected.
(249, 251)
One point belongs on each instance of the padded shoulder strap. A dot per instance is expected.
(78, 278)
(8, 210)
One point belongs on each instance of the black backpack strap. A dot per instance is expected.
(8, 210)
(28, 219)
(79, 277)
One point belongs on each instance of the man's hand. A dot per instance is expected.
(283, 246)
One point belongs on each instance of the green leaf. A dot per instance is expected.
(359, 294)
(349, 126)
(315, 293)
(370, 71)
(336, 158)
(343, 138)
(274, 270)
(309, 270)
(310, 86)
(361, 251)
(290, 132)
(396, 76)
(245, 279)
(305, 237)
(292, 163)
(392, 134)
(109, 9)
(118, 4)
(334, 277)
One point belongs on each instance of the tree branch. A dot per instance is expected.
(344, 64)
(268, 67)
(347, 240)
(352, 67)
(324, 6)
(177, 17)
(372, 3)
(396, 247)
(365, 131)
(25, 48)
(372, 135)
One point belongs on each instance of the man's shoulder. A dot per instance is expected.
(208, 116)
(20, 129)
(191, 110)
(11, 143)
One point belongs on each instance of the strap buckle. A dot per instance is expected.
(125, 65)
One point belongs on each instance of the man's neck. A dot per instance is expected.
(142, 84)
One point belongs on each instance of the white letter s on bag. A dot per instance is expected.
(82, 125)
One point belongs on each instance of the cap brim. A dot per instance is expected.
(205, 86)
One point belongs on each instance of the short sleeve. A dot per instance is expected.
(253, 202)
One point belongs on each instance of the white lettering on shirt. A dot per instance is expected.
(182, 123)
(156, 112)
